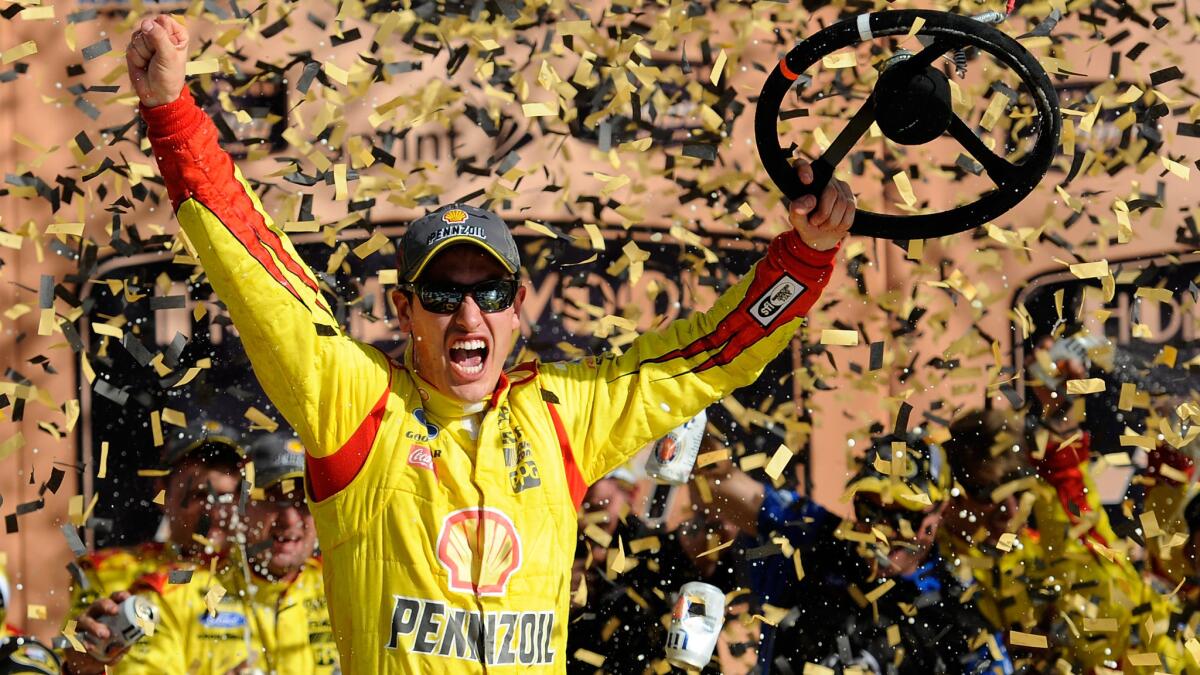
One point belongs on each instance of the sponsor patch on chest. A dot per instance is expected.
(437, 629)
(420, 456)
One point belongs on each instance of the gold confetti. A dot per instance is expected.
(103, 471)
(1145, 660)
(260, 421)
(69, 633)
(1031, 640)
(904, 186)
(213, 597)
(1100, 625)
(540, 109)
(1091, 385)
(707, 458)
(779, 460)
(718, 68)
(19, 52)
(202, 67)
(840, 60)
(841, 338)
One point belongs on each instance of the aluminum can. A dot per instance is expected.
(674, 455)
(695, 625)
(126, 627)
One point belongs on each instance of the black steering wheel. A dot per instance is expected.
(911, 104)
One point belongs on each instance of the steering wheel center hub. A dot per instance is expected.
(912, 105)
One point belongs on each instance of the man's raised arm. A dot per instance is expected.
(324, 383)
(611, 407)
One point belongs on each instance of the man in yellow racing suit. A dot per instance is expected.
(444, 489)
(267, 614)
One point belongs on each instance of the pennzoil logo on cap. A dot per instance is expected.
(454, 217)
(482, 539)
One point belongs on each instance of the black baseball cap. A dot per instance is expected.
(276, 457)
(201, 434)
(456, 224)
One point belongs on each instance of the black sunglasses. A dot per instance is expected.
(493, 295)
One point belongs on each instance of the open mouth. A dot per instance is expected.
(286, 542)
(469, 356)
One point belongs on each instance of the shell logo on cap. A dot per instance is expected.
(454, 216)
(294, 446)
(482, 539)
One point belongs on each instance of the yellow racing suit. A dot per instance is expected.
(109, 570)
(448, 531)
(1071, 571)
(255, 626)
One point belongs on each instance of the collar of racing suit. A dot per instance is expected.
(445, 408)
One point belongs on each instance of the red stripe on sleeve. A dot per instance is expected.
(194, 166)
(329, 475)
(787, 282)
(575, 482)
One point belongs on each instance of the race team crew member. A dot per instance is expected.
(445, 490)
(268, 615)
(1066, 572)
(205, 461)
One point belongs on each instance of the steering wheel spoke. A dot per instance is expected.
(1000, 170)
(841, 145)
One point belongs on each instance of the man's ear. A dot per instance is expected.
(517, 302)
(403, 305)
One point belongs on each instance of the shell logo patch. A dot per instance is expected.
(482, 539)
(454, 216)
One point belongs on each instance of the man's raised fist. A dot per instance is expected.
(157, 58)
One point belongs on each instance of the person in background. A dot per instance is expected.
(507, 454)
(627, 608)
(617, 618)
(1058, 580)
(872, 593)
(205, 461)
(264, 607)
(20, 653)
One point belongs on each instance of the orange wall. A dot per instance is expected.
(38, 553)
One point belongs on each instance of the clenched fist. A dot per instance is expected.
(822, 223)
(157, 59)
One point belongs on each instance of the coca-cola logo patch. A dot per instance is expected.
(420, 456)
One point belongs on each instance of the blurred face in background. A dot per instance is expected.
(704, 531)
(966, 514)
(910, 534)
(280, 531)
(201, 500)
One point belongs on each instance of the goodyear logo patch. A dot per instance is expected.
(440, 630)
